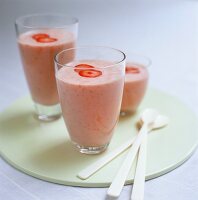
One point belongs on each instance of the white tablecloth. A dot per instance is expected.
(166, 31)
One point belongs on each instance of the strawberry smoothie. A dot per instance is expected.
(135, 86)
(37, 50)
(90, 97)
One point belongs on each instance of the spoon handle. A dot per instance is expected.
(119, 180)
(139, 180)
(93, 168)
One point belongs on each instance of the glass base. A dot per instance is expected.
(47, 113)
(91, 150)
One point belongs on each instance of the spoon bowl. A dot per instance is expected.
(160, 122)
(148, 116)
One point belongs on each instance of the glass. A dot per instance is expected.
(40, 37)
(90, 84)
(136, 81)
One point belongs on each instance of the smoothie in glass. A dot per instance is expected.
(136, 79)
(37, 50)
(40, 37)
(90, 93)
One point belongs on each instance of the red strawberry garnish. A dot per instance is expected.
(90, 73)
(40, 35)
(132, 70)
(82, 66)
(46, 40)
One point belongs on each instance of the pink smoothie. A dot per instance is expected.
(134, 87)
(37, 58)
(90, 106)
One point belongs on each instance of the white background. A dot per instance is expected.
(166, 31)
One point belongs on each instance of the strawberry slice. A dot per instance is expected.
(82, 66)
(90, 73)
(40, 35)
(46, 40)
(132, 70)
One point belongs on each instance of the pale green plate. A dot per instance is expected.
(43, 150)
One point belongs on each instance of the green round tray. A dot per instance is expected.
(43, 150)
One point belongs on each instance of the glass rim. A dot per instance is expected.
(86, 47)
(141, 56)
(73, 20)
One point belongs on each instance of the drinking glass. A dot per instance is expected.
(90, 84)
(40, 37)
(136, 81)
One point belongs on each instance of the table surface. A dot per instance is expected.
(164, 30)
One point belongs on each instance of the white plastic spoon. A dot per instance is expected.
(139, 180)
(93, 168)
(148, 117)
